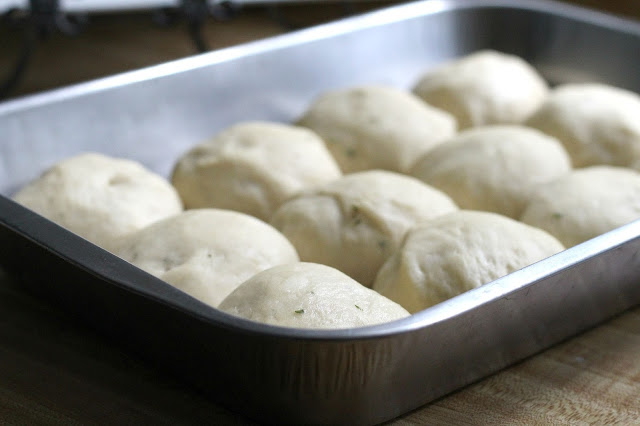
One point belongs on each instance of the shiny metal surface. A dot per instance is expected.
(363, 375)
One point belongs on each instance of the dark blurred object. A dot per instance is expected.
(195, 13)
(41, 20)
(45, 17)
(135, 43)
(130, 40)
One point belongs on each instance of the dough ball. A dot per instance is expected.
(207, 253)
(597, 124)
(309, 295)
(486, 87)
(253, 167)
(494, 168)
(586, 203)
(377, 127)
(100, 198)
(458, 252)
(355, 223)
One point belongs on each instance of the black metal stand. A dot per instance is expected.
(195, 13)
(274, 11)
(44, 18)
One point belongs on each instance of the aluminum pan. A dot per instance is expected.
(365, 375)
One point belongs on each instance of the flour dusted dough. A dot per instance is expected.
(100, 198)
(377, 127)
(207, 252)
(458, 252)
(494, 168)
(355, 223)
(586, 203)
(253, 167)
(309, 295)
(486, 87)
(597, 124)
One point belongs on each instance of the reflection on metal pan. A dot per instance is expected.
(365, 375)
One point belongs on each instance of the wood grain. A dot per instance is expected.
(590, 379)
(55, 371)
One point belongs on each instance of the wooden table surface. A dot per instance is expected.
(55, 371)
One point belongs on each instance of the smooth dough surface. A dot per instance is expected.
(586, 203)
(494, 168)
(355, 223)
(458, 252)
(486, 87)
(100, 198)
(253, 167)
(207, 253)
(309, 295)
(598, 124)
(377, 127)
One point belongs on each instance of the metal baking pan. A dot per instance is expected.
(278, 375)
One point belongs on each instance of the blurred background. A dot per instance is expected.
(44, 50)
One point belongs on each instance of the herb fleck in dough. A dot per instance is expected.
(598, 124)
(377, 127)
(486, 87)
(253, 167)
(207, 252)
(457, 252)
(356, 222)
(494, 168)
(309, 295)
(585, 203)
(100, 198)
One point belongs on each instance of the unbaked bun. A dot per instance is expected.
(377, 127)
(459, 252)
(493, 168)
(486, 87)
(100, 198)
(597, 124)
(207, 253)
(355, 223)
(308, 295)
(586, 203)
(253, 167)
